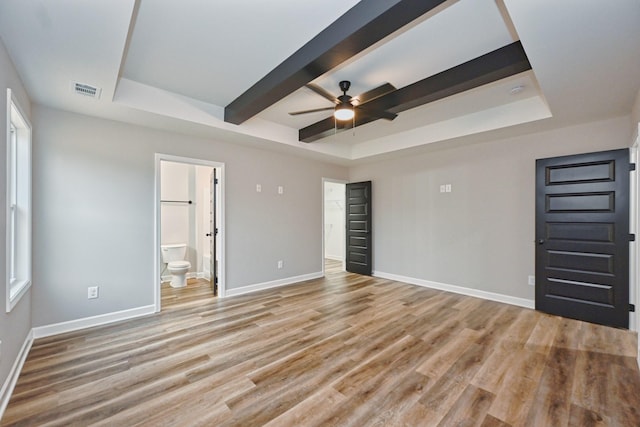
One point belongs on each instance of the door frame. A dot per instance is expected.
(335, 181)
(634, 253)
(160, 157)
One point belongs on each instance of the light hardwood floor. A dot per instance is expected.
(345, 350)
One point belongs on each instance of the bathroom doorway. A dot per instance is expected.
(333, 247)
(189, 223)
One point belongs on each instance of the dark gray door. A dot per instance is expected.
(358, 225)
(582, 237)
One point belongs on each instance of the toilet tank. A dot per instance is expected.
(175, 252)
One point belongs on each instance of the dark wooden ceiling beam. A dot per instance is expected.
(360, 27)
(499, 64)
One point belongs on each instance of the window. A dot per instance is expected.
(18, 268)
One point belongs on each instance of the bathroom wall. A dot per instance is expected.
(179, 220)
(176, 217)
(14, 326)
(334, 220)
(94, 204)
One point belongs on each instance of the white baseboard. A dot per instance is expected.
(272, 284)
(507, 299)
(14, 373)
(88, 322)
(334, 257)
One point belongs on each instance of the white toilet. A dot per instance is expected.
(173, 256)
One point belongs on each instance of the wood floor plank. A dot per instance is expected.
(552, 401)
(399, 402)
(591, 387)
(310, 411)
(470, 409)
(579, 416)
(623, 390)
(514, 398)
(491, 421)
(446, 355)
(543, 334)
(440, 397)
(343, 350)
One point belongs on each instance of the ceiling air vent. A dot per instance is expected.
(86, 90)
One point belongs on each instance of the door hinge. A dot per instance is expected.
(215, 181)
(632, 308)
(215, 280)
(216, 231)
(632, 237)
(632, 166)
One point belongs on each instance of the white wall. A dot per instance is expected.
(635, 117)
(14, 326)
(334, 220)
(94, 209)
(481, 234)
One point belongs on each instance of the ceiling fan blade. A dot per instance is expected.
(315, 110)
(323, 93)
(329, 126)
(374, 93)
(379, 114)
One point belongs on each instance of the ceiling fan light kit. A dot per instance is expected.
(344, 111)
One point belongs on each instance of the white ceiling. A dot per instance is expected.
(175, 65)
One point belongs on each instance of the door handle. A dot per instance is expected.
(208, 234)
(541, 241)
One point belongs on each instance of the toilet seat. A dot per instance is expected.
(179, 265)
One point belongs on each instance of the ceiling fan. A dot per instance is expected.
(346, 107)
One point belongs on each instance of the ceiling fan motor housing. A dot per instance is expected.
(344, 99)
(344, 86)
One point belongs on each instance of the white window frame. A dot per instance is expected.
(18, 203)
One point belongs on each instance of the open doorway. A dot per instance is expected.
(333, 247)
(189, 224)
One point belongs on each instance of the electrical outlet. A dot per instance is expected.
(447, 188)
(92, 292)
(280, 264)
(532, 280)
(258, 188)
(443, 188)
(280, 189)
